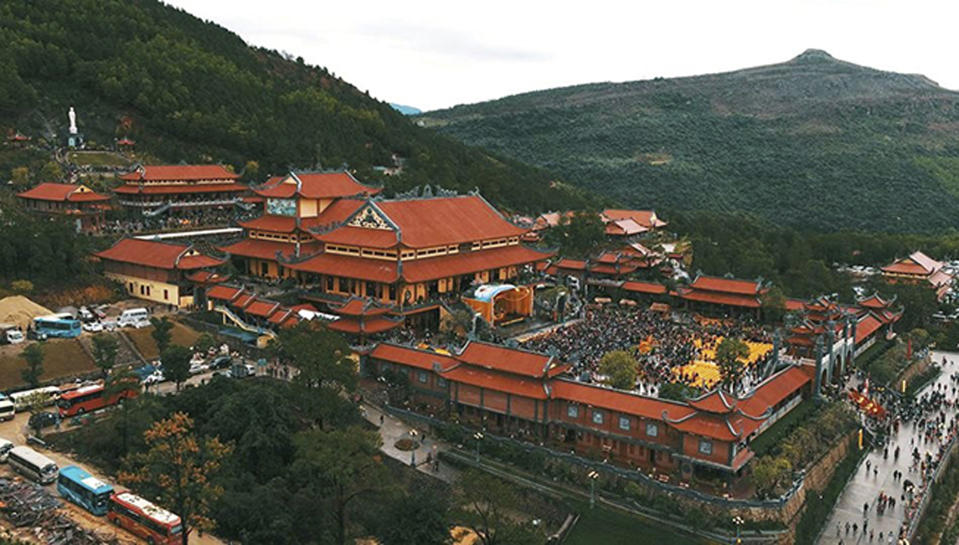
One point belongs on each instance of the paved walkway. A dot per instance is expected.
(867, 483)
(393, 429)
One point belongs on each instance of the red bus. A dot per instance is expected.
(145, 520)
(89, 398)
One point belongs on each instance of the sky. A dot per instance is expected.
(437, 54)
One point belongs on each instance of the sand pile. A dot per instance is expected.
(19, 310)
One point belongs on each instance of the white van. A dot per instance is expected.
(5, 447)
(134, 317)
(7, 408)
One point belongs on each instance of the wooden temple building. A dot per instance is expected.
(156, 189)
(712, 294)
(156, 271)
(329, 233)
(79, 203)
(919, 269)
(514, 391)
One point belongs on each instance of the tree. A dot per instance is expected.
(579, 235)
(20, 177)
(485, 507)
(204, 343)
(774, 305)
(339, 466)
(105, 352)
(120, 383)
(51, 172)
(728, 354)
(36, 403)
(176, 364)
(769, 472)
(179, 468)
(420, 518)
(33, 355)
(162, 332)
(22, 286)
(620, 367)
(251, 172)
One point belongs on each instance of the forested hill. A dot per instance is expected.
(188, 90)
(815, 142)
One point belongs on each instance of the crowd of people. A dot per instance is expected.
(180, 220)
(930, 422)
(661, 343)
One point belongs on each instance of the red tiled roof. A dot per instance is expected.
(654, 288)
(160, 255)
(726, 285)
(225, 293)
(572, 264)
(316, 185)
(62, 192)
(874, 301)
(432, 268)
(424, 223)
(866, 327)
(359, 236)
(274, 224)
(373, 324)
(605, 398)
(501, 358)
(356, 306)
(644, 218)
(775, 389)
(176, 189)
(206, 277)
(244, 300)
(179, 173)
(374, 270)
(262, 308)
(721, 298)
(266, 249)
(715, 401)
(625, 227)
(422, 359)
(793, 305)
(500, 382)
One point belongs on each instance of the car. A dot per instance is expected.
(86, 315)
(156, 377)
(43, 420)
(221, 362)
(197, 368)
(139, 324)
(225, 373)
(92, 327)
(35, 335)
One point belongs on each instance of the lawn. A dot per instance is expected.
(98, 158)
(609, 527)
(182, 335)
(62, 358)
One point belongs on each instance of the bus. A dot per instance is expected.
(32, 465)
(48, 395)
(58, 325)
(8, 408)
(84, 489)
(145, 520)
(90, 398)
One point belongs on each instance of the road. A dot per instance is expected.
(867, 483)
(16, 431)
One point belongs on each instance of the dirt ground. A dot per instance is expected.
(62, 358)
(182, 335)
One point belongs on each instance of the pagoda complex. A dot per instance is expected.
(159, 188)
(338, 239)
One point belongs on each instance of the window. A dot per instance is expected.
(441, 382)
(597, 417)
(652, 430)
(422, 377)
(624, 423)
(705, 447)
(166, 295)
(572, 411)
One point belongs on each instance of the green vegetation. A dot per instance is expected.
(601, 525)
(942, 496)
(819, 504)
(182, 335)
(186, 89)
(803, 444)
(621, 368)
(774, 435)
(777, 141)
(920, 381)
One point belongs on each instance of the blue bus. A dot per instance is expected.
(85, 490)
(58, 325)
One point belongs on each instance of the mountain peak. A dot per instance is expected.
(814, 55)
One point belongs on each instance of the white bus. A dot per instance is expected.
(134, 317)
(33, 465)
(7, 408)
(49, 394)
